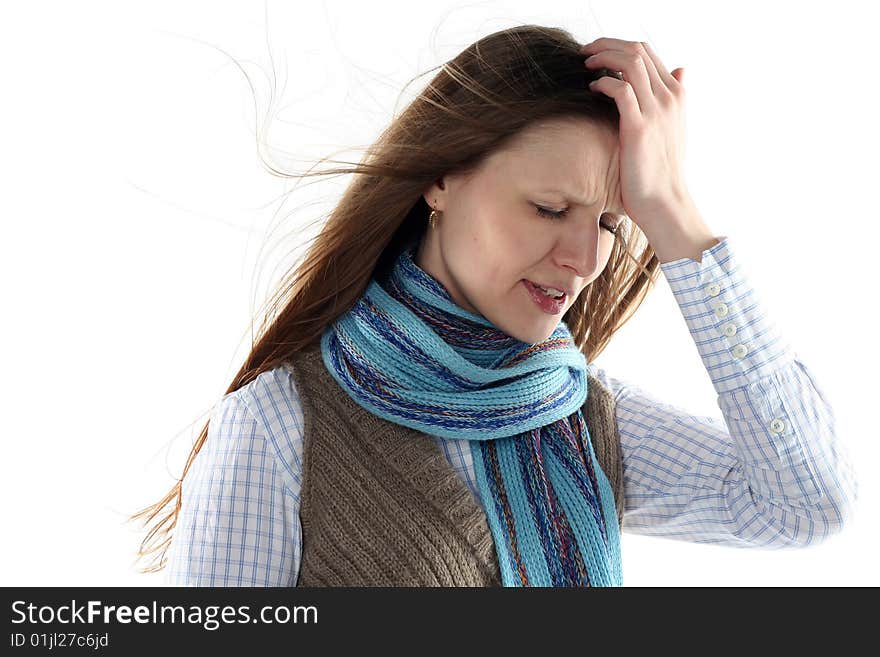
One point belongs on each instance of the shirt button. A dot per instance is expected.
(740, 350)
(729, 329)
(712, 289)
(720, 309)
(777, 426)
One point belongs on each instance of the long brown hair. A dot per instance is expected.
(475, 104)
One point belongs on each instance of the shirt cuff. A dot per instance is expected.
(734, 335)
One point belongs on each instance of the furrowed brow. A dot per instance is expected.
(571, 198)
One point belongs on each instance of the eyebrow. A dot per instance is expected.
(570, 198)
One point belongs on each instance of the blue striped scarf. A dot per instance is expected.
(409, 354)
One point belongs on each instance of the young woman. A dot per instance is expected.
(425, 410)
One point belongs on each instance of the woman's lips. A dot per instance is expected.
(568, 293)
(545, 303)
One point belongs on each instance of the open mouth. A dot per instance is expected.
(549, 304)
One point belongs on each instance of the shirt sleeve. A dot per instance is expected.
(772, 473)
(238, 524)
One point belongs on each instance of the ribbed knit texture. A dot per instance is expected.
(408, 353)
(381, 506)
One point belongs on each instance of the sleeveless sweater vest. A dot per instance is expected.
(380, 505)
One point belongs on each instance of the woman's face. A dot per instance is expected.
(491, 238)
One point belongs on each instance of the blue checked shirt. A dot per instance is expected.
(772, 474)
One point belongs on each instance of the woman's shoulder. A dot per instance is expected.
(272, 399)
(272, 389)
(626, 393)
(614, 385)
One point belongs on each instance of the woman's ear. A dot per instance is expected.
(435, 192)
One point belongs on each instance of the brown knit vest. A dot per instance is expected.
(380, 504)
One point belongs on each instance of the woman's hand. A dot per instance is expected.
(650, 101)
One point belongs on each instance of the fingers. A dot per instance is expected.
(634, 72)
(624, 96)
(639, 63)
(663, 74)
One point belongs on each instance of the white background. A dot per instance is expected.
(141, 231)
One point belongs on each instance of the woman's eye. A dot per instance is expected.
(553, 214)
(559, 214)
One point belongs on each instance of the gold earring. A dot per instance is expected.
(432, 218)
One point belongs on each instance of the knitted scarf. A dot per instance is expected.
(409, 354)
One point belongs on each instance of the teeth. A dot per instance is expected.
(551, 292)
